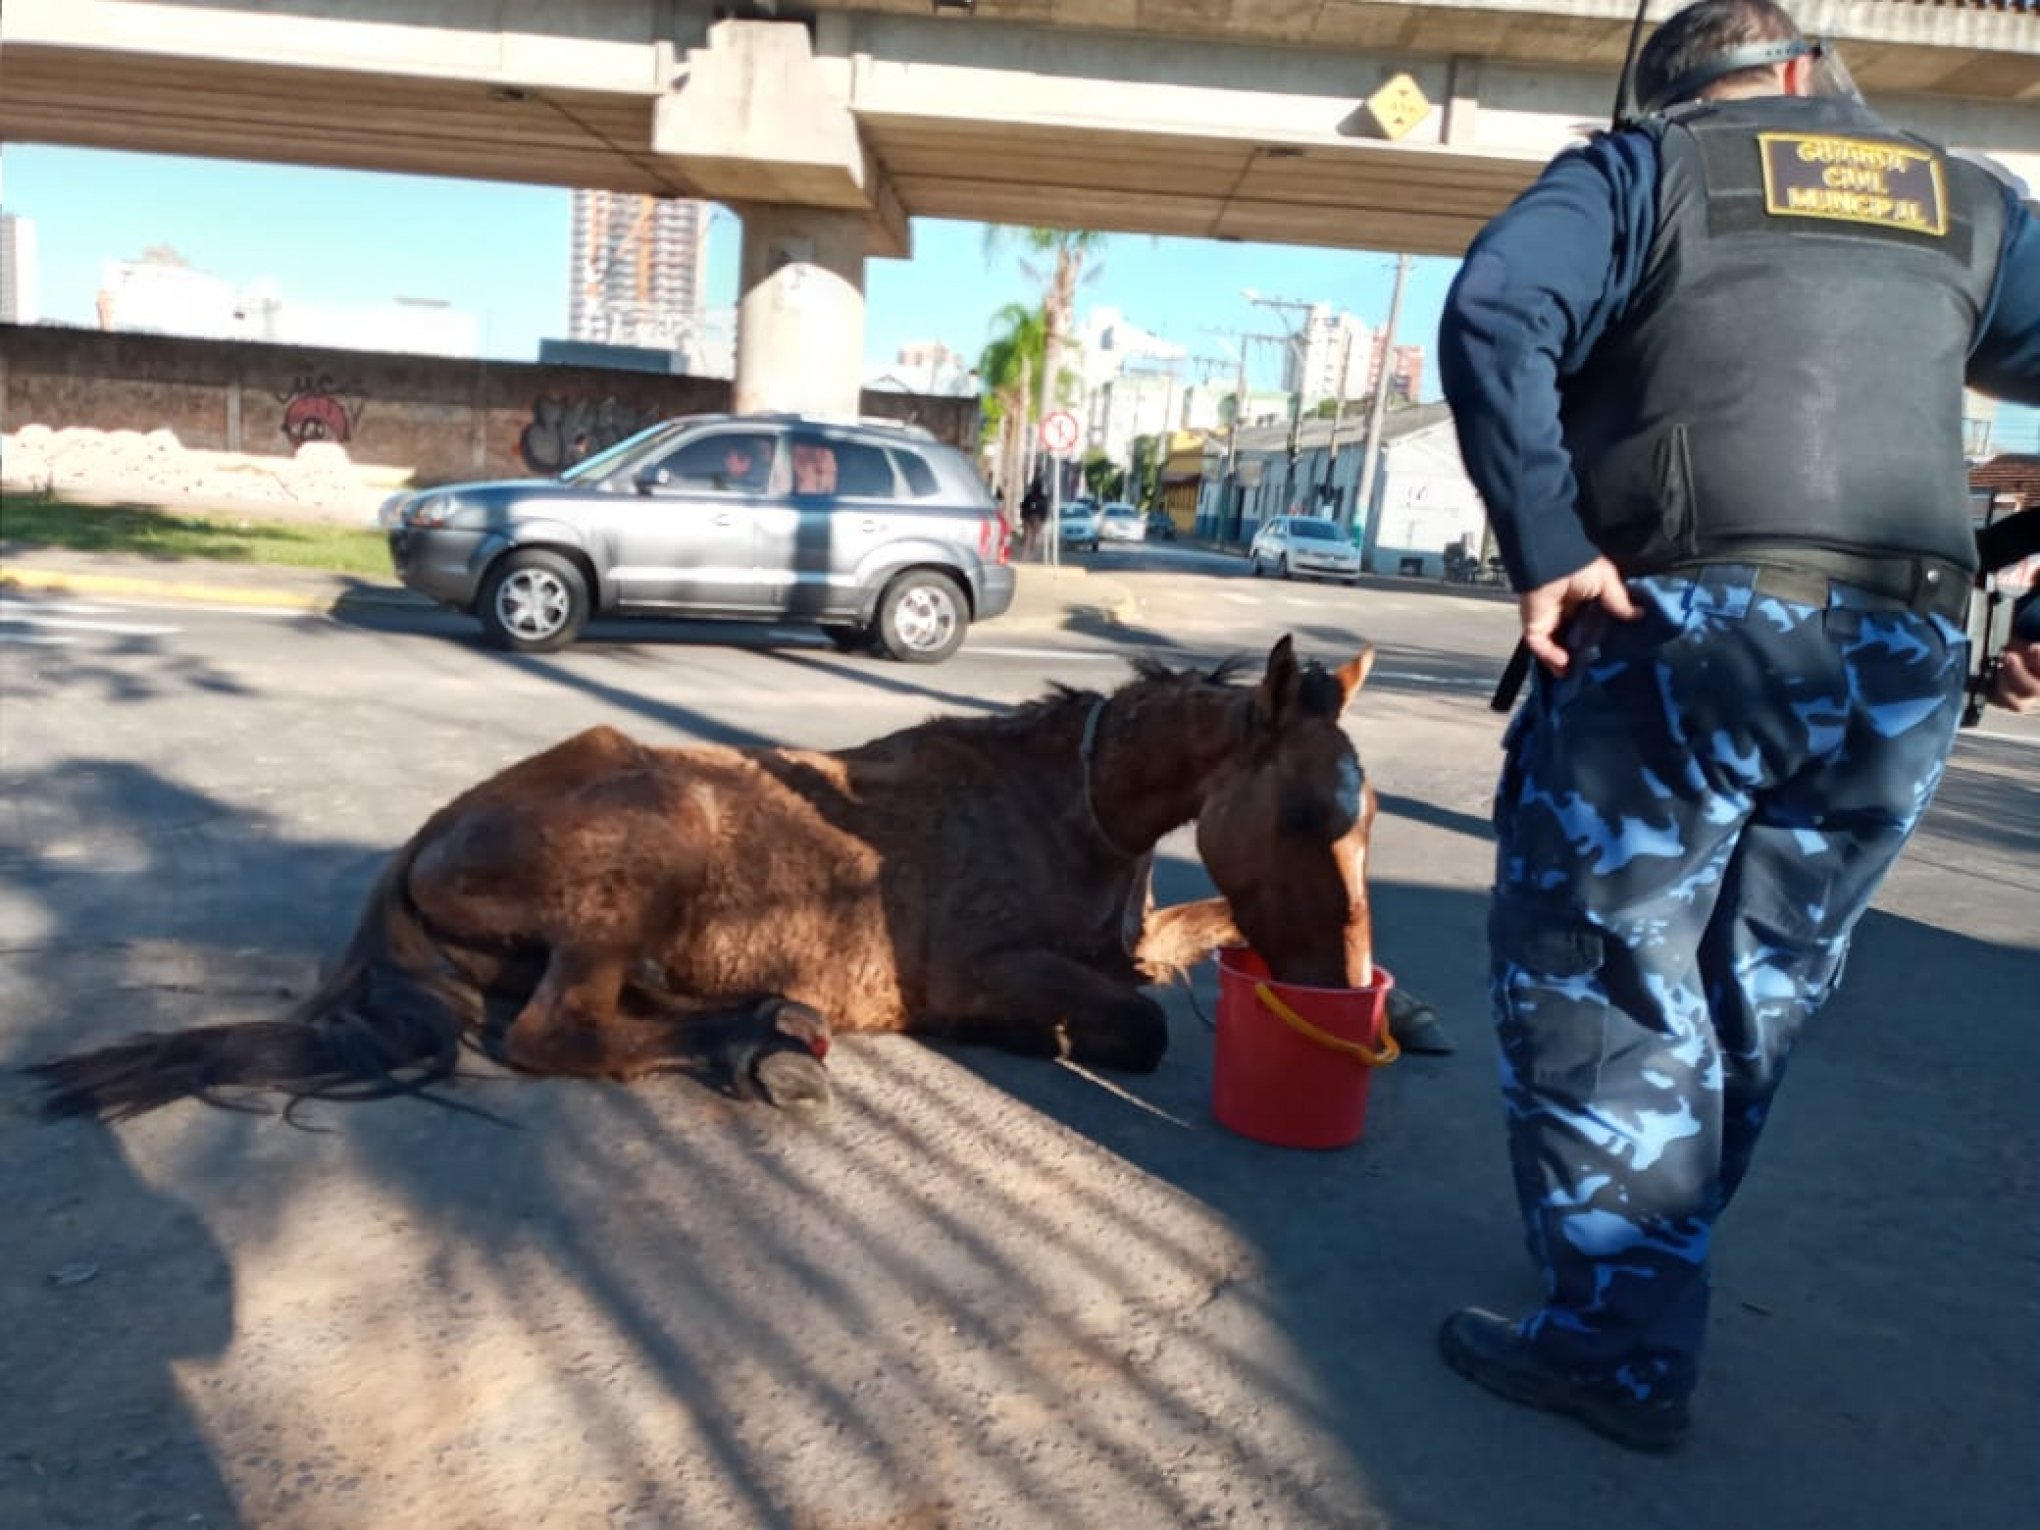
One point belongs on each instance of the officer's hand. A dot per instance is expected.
(1546, 609)
(2018, 680)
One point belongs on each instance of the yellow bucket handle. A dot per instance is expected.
(1387, 1054)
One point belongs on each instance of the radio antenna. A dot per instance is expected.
(1625, 88)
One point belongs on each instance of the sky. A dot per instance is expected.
(500, 251)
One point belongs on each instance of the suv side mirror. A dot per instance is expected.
(651, 478)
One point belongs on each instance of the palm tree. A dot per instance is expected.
(1066, 251)
(1006, 370)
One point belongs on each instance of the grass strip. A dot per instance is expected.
(35, 522)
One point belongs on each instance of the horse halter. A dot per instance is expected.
(1086, 753)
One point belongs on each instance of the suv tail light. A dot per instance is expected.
(995, 541)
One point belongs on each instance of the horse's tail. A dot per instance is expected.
(387, 1021)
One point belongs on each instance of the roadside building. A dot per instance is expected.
(20, 301)
(1423, 499)
(1192, 456)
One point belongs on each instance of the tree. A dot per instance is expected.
(1064, 251)
(1145, 485)
(1102, 476)
(1006, 371)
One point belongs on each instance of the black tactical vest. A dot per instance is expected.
(1788, 376)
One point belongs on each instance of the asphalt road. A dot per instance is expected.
(982, 1291)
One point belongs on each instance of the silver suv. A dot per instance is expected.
(879, 534)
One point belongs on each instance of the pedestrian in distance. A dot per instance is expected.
(1033, 515)
(1736, 516)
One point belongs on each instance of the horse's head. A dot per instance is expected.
(1283, 828)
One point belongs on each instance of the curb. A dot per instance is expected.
(66, 581)
(1116, 604)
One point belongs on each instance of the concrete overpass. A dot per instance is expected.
(1226, 119)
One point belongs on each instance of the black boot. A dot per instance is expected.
(1487, 1349)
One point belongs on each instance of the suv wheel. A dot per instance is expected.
(922, 618)
(533, 601)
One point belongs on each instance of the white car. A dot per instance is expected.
(1121, 522)
(1078, 528)
(1302, 544)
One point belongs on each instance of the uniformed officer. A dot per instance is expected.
(1708, 376)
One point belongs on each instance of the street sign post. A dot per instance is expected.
(1059, 434)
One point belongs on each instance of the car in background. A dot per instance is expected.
(1161, 526)
(1302, 544)
(878, 534)
(1077, 526)
(1120, 522)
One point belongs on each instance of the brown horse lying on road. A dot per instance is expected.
(628, 910)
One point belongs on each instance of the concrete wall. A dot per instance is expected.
(438, 418)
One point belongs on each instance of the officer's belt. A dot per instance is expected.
(1929, 586)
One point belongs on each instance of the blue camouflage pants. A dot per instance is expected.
(1690, 822)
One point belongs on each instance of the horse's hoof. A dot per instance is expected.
(797, 1023)
(794, 1081)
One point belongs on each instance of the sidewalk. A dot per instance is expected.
(1046, 597)
(201, 581)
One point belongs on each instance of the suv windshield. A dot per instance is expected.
(601, 464)
(1313, 531)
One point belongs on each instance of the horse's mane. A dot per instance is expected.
(1146, 671)
(1060, 698)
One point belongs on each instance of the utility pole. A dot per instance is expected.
(1232, 445)
(1294, 340)
(1140, 376)
(1241, 340)
(1295, 430)
(1370, 464)
(1051, 369)
(1339, 410)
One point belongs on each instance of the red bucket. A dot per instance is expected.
(1293, 1063)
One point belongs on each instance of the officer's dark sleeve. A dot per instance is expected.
(1537, 288)
(2005, 361)
(2006, 541)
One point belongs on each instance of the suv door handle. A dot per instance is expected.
(871, 525)
(724, 518)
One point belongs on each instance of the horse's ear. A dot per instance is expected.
(1353, 674)
(1277, 695)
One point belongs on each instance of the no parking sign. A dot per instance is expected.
(1059, 433)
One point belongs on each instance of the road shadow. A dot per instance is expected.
(652, 1305)
(1901, 1151)
(890, 678)
(112, 1285)
(982, 1290)
(1101, 625)
(119, 1297)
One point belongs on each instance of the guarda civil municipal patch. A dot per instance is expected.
(1854, 180)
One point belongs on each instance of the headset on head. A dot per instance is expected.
(1831, 79)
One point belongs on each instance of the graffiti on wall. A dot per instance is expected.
(319, 407)
(562, 431)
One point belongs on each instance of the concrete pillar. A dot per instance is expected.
(800, 310)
